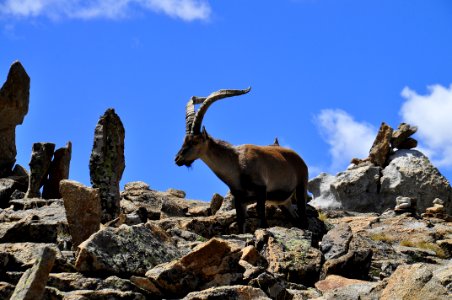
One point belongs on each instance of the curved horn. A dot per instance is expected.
(206, 102)
(190, 112)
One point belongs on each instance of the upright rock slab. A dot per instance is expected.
(41, 157)
(381, 147)
(14, 100)
(58, 170)
(107, 162)
(79, 198)
(32, 284)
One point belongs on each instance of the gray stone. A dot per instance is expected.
(58, 170)
(126, 250)
(411, 174)
(235, 292)
(14, 100)
(323, 194)
(107, 162)
(41, 157)
(335, 243)
(32, 284)
(79, 198)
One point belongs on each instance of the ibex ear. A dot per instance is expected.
(204, 133)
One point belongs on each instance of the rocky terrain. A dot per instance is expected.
(379, 230)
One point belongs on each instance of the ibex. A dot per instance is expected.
(252, 173)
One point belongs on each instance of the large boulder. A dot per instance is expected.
(127, 250)
(14, 100)
(79, 198)
(107, 162)
(411, 174)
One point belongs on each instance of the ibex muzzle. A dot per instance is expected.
(252, 173)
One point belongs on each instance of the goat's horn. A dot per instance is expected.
(196, 128)
(190, 112)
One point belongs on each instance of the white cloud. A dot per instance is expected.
(432, 113)
(187, 10)
(347, 138)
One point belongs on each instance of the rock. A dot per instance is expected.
(409, 143)
(289, 252)
(323, 194)
(104, 294)
(235, 292)
(335, 243)
(354, 264)
(446, 246)
(107, 163)
(402, 134)
(411, 174)
(199, 211)
(357, 189)
(419, 281)
(211, 264)
(41, 157)
(228, 203)
(6, 290)
(127, 250)
(354, 291)
(379, 152)
(176, 193)
(58, 170)
(79, 198)
(14, 100)
(215, 203)
(405, 204)
(7, 187)
(32, 284)
(332, 282)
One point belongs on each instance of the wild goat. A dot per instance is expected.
(253, 173)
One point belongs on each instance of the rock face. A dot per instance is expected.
(58, 170)
(78, 198)
(41, 157)
(14, 100)
(107, 162)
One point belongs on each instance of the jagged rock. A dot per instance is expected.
(23, 255)
(214, 263)
(14, 100)
(401, 137)
(58, 170)
(228, 203)
(6, 290)
(322, 191)
(176, 193)
(235, 292)
(107, 162)
(354, 264)
(357, 189)
(379, 152)
(335, 243)
(215, 203)
(126, 250)
(79, 198)
(411, 174)
(289, 252)
(32, 283)
(7, 187)
(418, 282)
(41, 157)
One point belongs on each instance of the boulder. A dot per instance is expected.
(335, 243)
(41, 157)
(411, 174)
(7, 187)
(107, 162)
(289, 252)
(418, 282)
(235, 292)
(215, 203)
(58, 170)
(401, 137)
(379, 152)
(323, 193)
(127, 250)
(14, 100)
(79, 198)
(211, 264)
(32, 284)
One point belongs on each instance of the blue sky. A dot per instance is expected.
(324, 75)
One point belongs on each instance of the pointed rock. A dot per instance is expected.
(58, 170)
(107, 162)
(381, 148)
(41, 157)
(32, 284)
(79, 198)
(14, 100)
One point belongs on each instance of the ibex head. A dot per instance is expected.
(196, 141)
